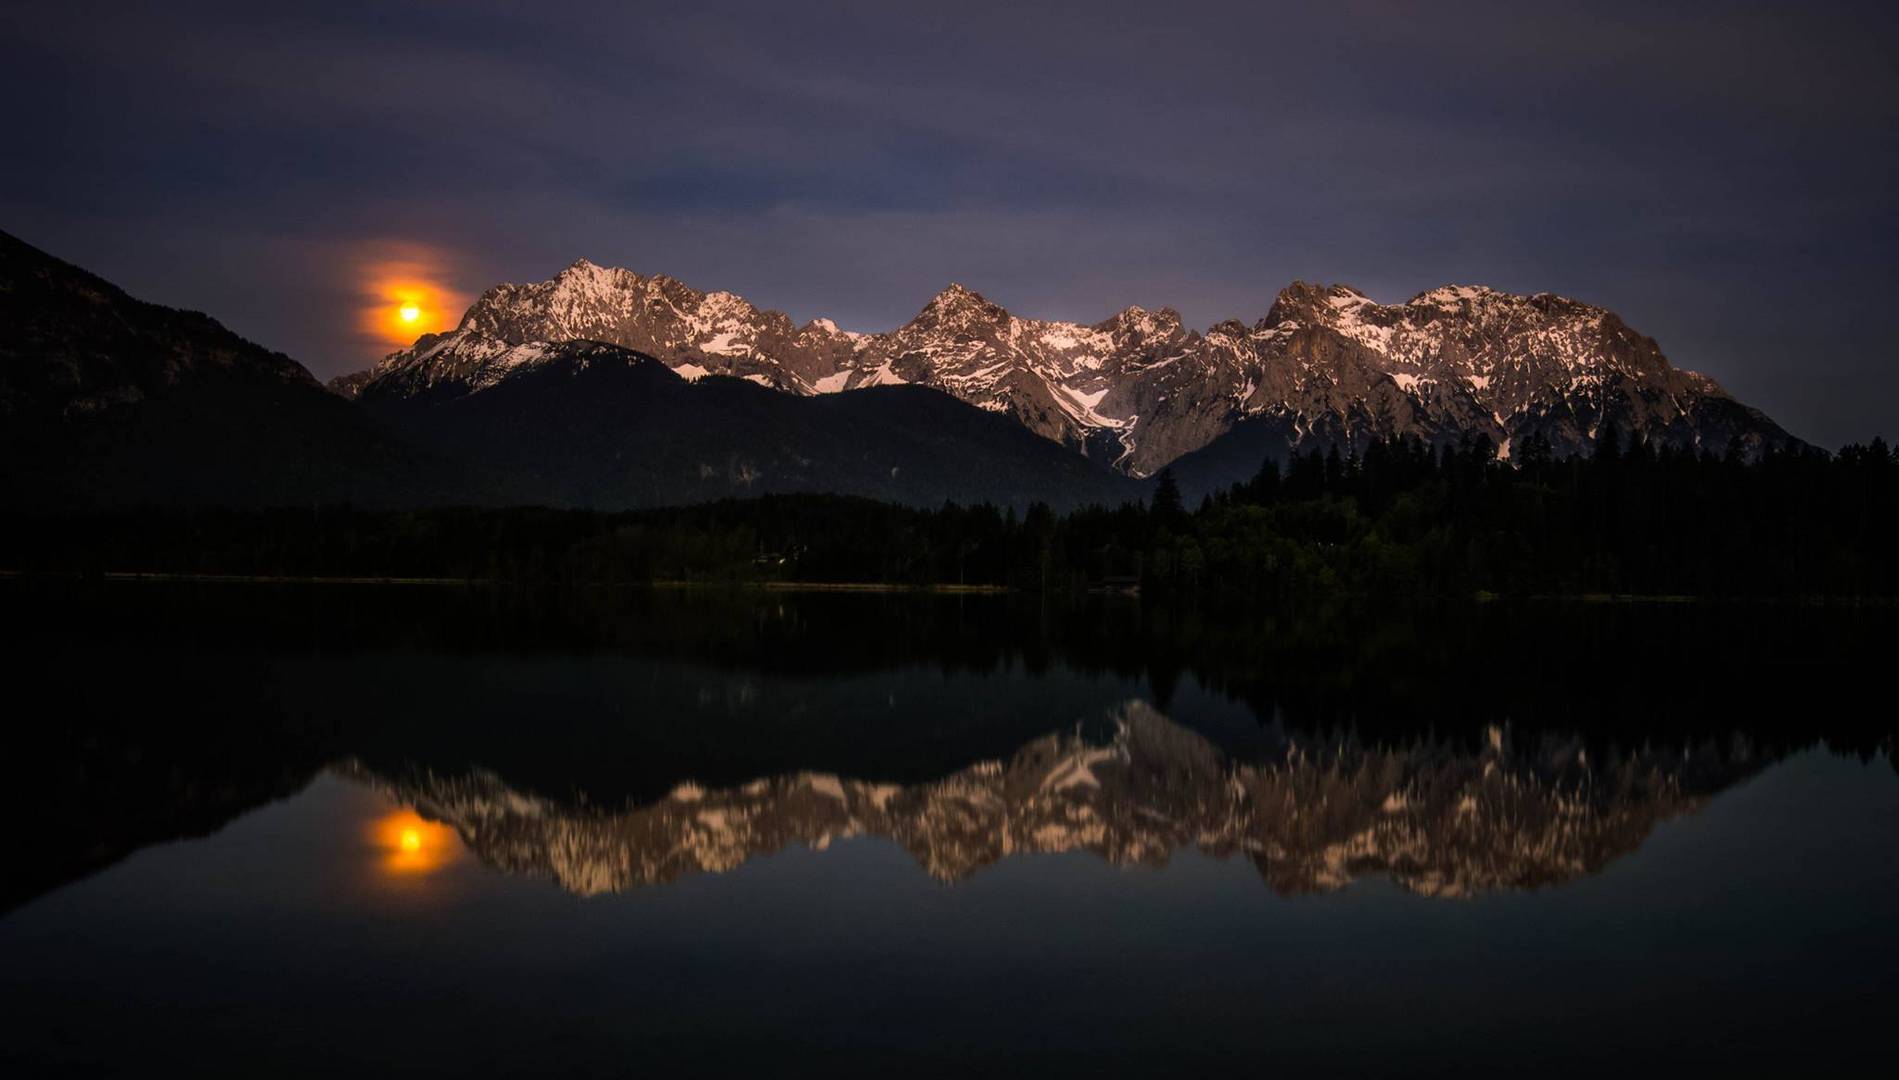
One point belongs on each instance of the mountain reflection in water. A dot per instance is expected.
(623, 740)
(1437, 821)
(366, 831)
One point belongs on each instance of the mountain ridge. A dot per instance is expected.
(1326, 365)
(112, 400)
(109, 400)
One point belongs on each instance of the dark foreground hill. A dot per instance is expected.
(600, 426)
(108, 400)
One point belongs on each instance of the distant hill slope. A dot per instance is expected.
(590, 424)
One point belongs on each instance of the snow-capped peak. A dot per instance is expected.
(959, 306)
(1453, 295)
(1328, 362)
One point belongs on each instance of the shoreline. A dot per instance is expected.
(874, 588)
(438, 582)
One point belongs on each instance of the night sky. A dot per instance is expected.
(1725, 176)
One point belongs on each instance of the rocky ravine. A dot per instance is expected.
(1438, 822)
(1139, 390)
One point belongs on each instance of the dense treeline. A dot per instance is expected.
(1403, 518)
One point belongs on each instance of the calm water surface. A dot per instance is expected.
(266, 831)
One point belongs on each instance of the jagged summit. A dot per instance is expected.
(1135, 320)
(1445, 295)
(1326, 365)
(1308, 297)
(958, 293)
(957, 305)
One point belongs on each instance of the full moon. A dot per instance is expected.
(404, 293)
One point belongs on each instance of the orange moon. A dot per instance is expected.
(405, 294)
(404, 309)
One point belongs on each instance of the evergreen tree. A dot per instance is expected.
(1167, 504)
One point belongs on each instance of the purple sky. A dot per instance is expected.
(1724, 176)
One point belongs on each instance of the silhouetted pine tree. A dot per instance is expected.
(1167, 505)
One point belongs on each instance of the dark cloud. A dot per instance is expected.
(1721, 175)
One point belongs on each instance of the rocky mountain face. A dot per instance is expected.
(1437, 821)
(1325, 366)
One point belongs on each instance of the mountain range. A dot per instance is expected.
(108, 400)
(1139, 390)
(607, 389)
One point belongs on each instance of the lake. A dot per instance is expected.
(322, 830)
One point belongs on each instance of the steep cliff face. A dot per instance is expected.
(1436, 821)
(1140, 390)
